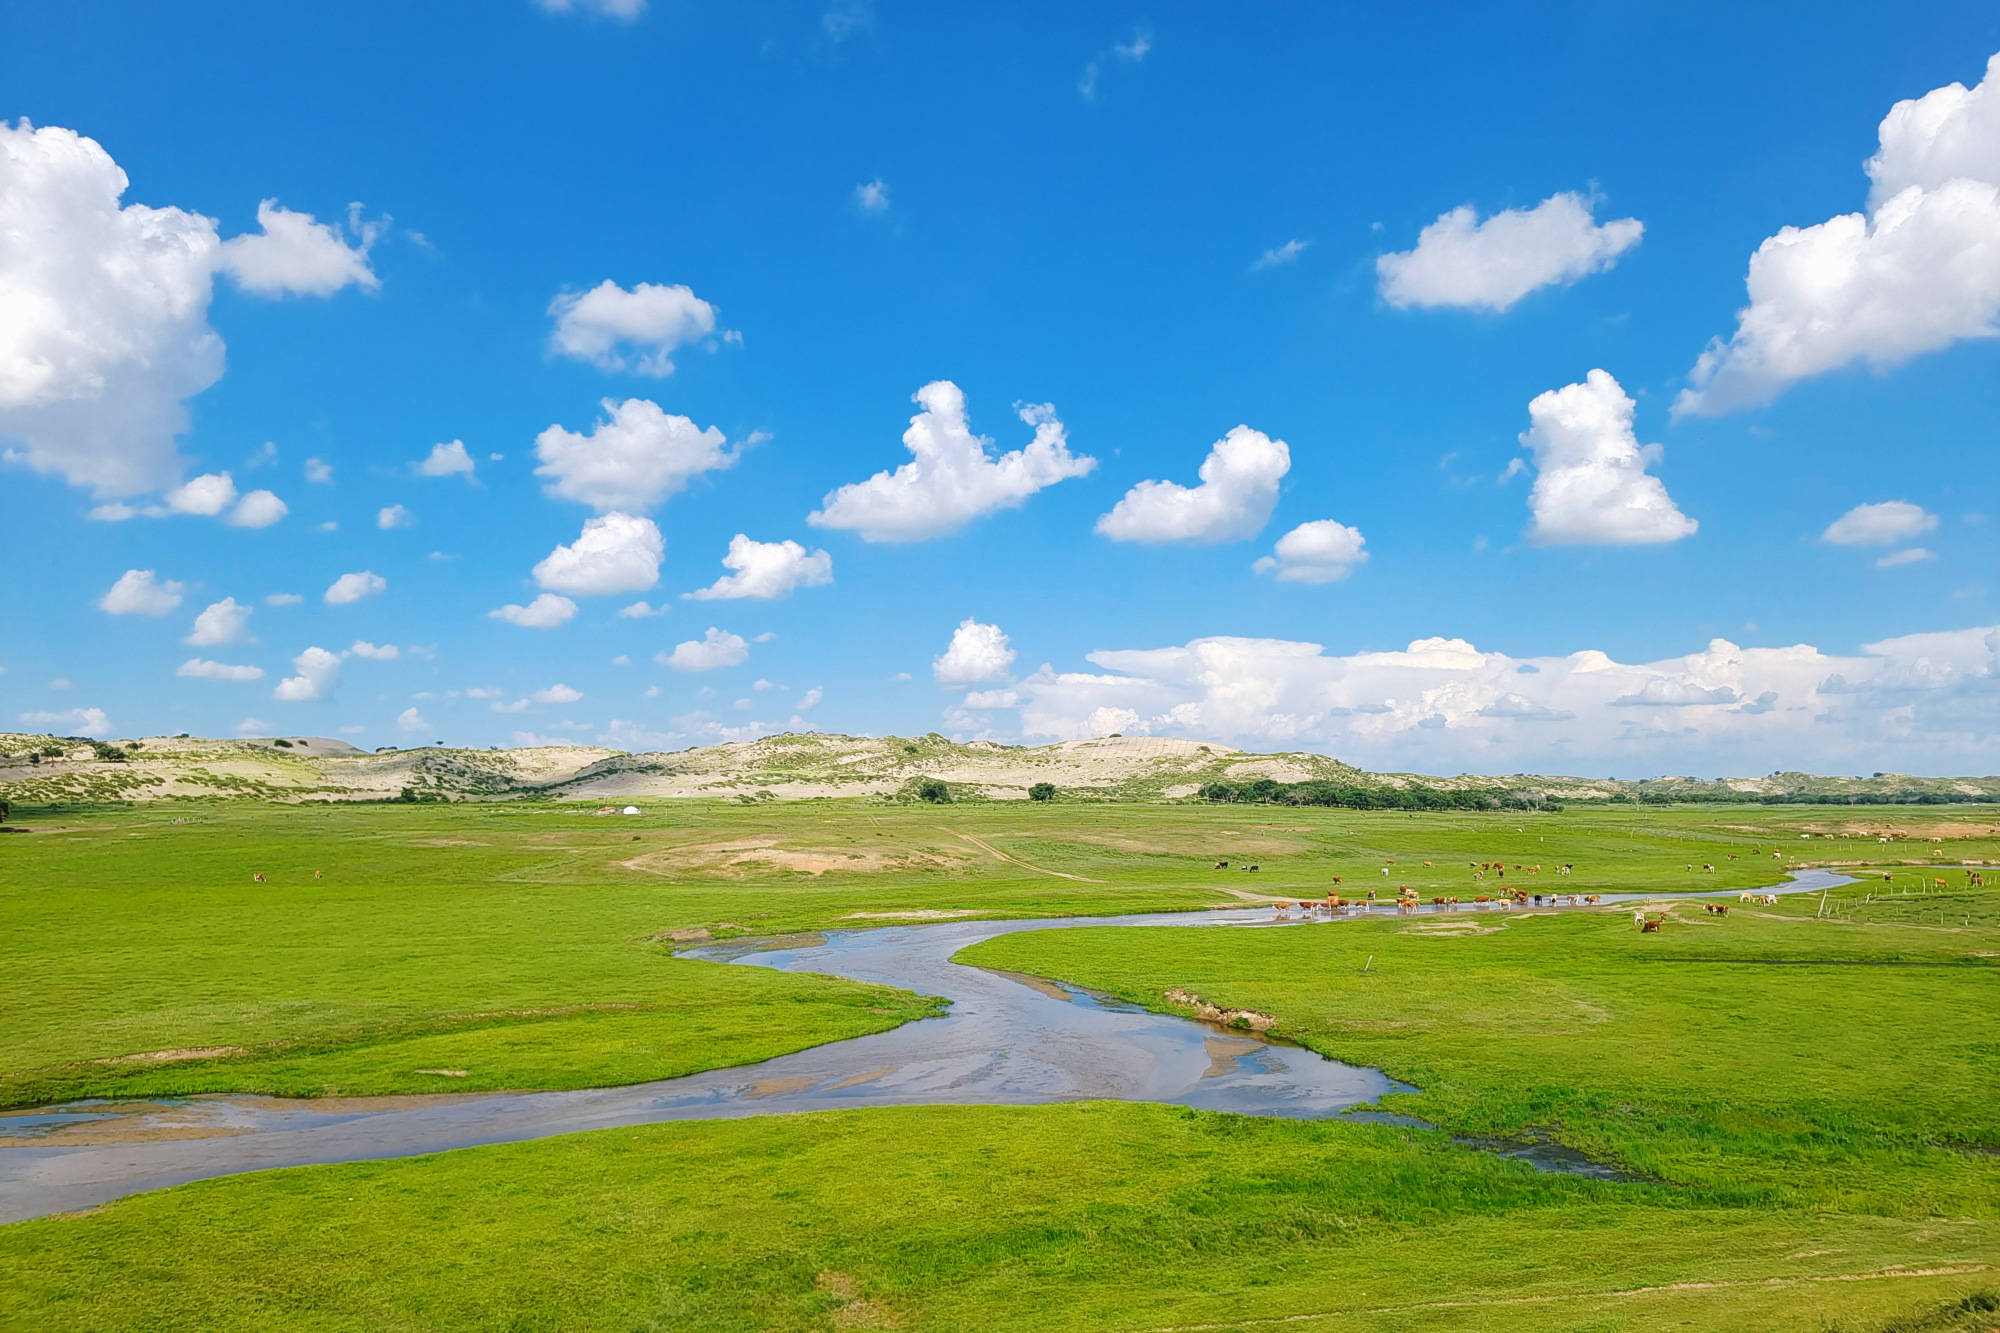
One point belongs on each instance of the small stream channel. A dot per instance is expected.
(1007, 1040)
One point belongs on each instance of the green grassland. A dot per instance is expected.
(1809, 1090)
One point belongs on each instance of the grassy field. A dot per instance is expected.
(1814, 1101)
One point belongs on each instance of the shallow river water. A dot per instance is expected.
(1007, 1040)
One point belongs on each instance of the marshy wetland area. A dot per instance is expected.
(868, 1063)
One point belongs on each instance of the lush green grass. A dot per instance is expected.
(1817, 1098)
(1082, 1217)
(1766, 1058)
(518, 942)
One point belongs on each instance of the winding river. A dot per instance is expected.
(1006, 1040)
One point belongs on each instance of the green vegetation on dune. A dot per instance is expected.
(1099, 1216)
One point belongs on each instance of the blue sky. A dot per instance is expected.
(1161, 222)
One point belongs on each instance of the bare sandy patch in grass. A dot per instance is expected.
(740, 857)
(169, 1056)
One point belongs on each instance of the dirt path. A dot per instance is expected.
(997, 854)
(1954, 1270)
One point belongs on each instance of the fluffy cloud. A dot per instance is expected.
(977, 653)
(636, 330)
(318, 670)
(615, 553)
(557, 694)
(383, 652)
(1950, 133)
(390, 517)
(634, 457)
(448, 459)
(107, 333)
(139, 592)
(811, 699)
(950, 480)
(766, 570)
(717, 648)
(545, 612)
(640, 610)
(1490, 265)
(872, 196)
(206, 495)
(223, 622)
(319, 472)
(1321, 551)
(258, 509)
(1591, 483)
(1882, 524)
(1924, 702)
(294, 255)
(1238, 490)
(74, 722)
(283, 599)
(353, 587)
(410, 720)
(1912, 556)
(199, 668)
(1917, 272)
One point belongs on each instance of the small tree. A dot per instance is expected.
(1042, 791)
(935, 791)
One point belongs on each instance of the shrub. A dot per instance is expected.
(1042, 791)
(934, 790)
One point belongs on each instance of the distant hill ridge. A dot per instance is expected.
(42, 770)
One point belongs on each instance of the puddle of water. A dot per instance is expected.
(1007, 1040)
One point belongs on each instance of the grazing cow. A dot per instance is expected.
(1222, 865)
(1437, 902)
(1253, 867)
(1648, 927)
(1939, 884)
(1707, 868)
(1593, 897)
(1769, 900)
(1974, 880)
(1392, 860)
(1451, 900)
(1719, 909)
(258, 877)
(1336, 879)
(1385, 872)
(318, 875)
(1482, 898)
(1427, 865)
(1743, 897)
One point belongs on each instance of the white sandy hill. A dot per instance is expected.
(37, 770)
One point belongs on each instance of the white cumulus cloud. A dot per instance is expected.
(717, 648)
(258, 509)
(614, 553)
(448, 459)
(1591, 484)
(374, 652)
(640, 610)
(1883, 524)
(353, 587)
(637, 330)
(1918, 271)
(72, 722)
(390, 517)
(557, 694)
(223, 622)
(295, 255)
(199, 668)
(140, 592)
(766, 570)
(950, 480)
(1920, 703)
(206, 495)
(1491, 265)
(545, 612)
(977, 653)
(410, 720)
(1321, 551)
(872, 196)
(318, 670)
(634, 457)
(1238, 490)
(615, 9)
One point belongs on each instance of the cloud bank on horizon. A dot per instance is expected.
(1488, 424)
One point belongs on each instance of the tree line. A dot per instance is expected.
(1357, 796)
